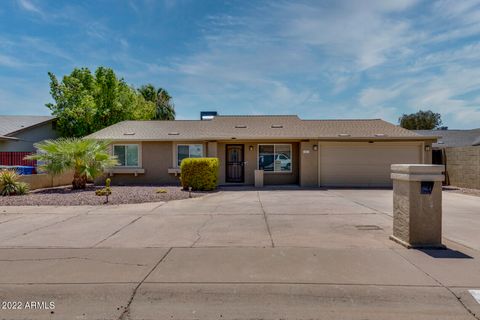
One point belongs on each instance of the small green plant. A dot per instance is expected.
(9, 184)
(199, 173)
(161, 191)
(105, 192)
(22, 188)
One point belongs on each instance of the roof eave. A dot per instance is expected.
(363, 138)
(5, 138)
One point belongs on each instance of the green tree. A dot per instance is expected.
(86, 102)
(148, 92)
(87, 158)
(422, 120)
(165, 109)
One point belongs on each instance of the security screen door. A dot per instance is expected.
(235, 163)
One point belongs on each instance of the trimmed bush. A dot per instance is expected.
(199, 173)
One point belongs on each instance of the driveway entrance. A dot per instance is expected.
(273, 254)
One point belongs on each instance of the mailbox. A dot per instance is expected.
(426, 187)
(417, 205)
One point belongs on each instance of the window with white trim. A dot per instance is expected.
(275, 157)
(188, 151)
(127, 154)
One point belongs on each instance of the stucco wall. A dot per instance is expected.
(28, 137)
(156, 159)
(40, 181)
(463, 166)
(308, 164)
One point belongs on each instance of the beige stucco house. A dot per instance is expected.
(289, 150)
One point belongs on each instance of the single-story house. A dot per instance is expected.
(459, 151)
(289, 150)
(18, 134)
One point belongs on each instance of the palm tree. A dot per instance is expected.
(149, 92)
(87, 158)
(165, 106)
(165, 109)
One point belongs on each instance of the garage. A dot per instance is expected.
(364, 164)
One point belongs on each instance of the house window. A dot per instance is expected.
(275, 157)
(127, 155)
(188, 151)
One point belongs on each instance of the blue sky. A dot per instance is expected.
(318, 59)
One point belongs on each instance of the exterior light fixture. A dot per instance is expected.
(250, 148)
(428, 148)
(315, 147)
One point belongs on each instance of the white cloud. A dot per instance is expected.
(11, 62)
(30, 6)
(359, 35)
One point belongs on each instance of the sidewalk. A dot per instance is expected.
(235, 255)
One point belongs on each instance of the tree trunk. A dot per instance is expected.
(79, 181)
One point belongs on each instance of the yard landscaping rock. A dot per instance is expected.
(65, 196)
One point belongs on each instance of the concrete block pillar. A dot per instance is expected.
(258, 178)
(417, 205)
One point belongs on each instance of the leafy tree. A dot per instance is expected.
(87, 158)
(86, 102)
(165, 109)
(422, 120)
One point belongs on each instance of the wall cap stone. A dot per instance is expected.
(417, 177)
(429, 169)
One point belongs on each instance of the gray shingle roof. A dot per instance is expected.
(476, 142)
(453, 138)
(253, 127)
(12, 124)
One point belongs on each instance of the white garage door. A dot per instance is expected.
(363, 164)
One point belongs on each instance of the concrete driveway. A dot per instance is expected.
(238, 254)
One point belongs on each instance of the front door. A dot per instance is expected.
(235, 163)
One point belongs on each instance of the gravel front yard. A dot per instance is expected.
(65, 196)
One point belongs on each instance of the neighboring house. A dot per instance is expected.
(19, 133)
(459, 151)
(288, 149)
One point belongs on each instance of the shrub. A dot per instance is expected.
(105, 192)
(199, 173)
(9, 184)
(22, 188)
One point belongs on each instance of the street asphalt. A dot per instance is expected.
(237, 254)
